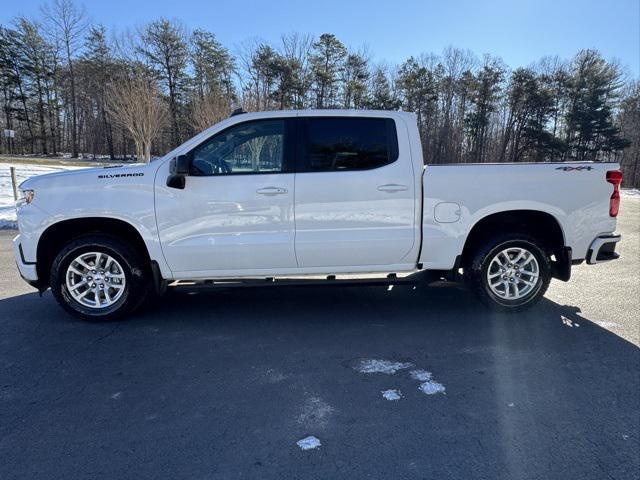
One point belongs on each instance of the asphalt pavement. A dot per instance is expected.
(222, 384)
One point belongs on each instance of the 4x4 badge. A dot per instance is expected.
(574, 169)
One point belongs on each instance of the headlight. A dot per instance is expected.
(26, 197)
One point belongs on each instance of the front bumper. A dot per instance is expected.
(603, 249)
(27, 270)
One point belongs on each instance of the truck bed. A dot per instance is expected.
(457, 197)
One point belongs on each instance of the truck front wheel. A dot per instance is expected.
(509, 272)
(99, 278)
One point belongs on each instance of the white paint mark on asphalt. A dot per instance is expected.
(511, 404)
(116, 395)
(315, 413)
(370, 365)
(431, 388)
(392, 394)
(309, 443)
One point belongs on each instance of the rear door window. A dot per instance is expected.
(330, 144)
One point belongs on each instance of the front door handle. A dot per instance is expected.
(393, 187)
(272, 191)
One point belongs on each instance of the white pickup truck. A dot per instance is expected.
(303, 196)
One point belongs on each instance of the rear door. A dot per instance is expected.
(355, 192)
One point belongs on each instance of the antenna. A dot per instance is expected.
(237, 111)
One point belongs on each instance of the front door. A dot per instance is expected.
(235, 214)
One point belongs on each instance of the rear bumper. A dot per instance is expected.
(603, 249)
(27, 269)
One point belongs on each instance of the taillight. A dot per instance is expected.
(614, 177)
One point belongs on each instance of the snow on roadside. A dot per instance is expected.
(7, 208)
(630, 192)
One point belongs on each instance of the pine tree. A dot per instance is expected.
(165, 48)
(485, 94)
(213, 65)
(327, 62)
(381, 97)
(99, 67)
(594, 91)
(355, 77)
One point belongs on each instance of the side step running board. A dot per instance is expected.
(329, 280)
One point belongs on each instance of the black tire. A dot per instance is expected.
(135, 269)
(475, 271)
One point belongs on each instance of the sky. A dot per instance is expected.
(519, 31)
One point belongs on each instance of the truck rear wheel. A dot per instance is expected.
(99, 278)
(509, 272)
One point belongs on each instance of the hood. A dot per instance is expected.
(93, 176)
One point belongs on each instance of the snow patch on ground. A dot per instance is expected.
(630, 192)
(309, 443)
(431, 387)
(391, 395)
(369, 365)
(315, 413)
(420, 375)
(23, 172)
(568, 322)
(428, 386)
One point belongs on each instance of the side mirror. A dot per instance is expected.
(178, 170)
(180, 165)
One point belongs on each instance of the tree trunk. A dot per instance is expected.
(74, 112)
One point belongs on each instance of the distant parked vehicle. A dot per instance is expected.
(282, 196)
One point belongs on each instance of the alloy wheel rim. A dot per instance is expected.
(513, 273)
(95, 280)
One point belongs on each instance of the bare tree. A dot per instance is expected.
(68, 24)
(296, 49)
(135, 103)
(208, 110)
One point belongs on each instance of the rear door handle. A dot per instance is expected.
(393, 187)
(272, 191)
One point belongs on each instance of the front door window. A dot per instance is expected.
(247, 148)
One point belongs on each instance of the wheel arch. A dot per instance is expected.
(536, 223)
(55, 236)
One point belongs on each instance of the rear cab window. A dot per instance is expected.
(330, 144)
